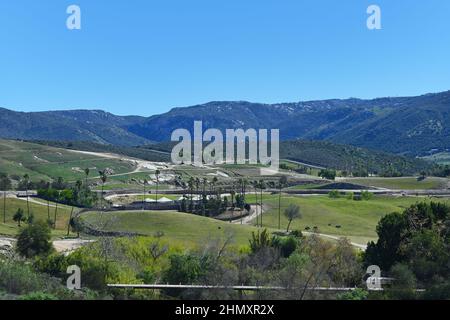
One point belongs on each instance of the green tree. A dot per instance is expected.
(328, 174)
(404, 283)
(385, 252)
(292, 212)
(19, 216)
(75, 226)
(34, 240)
(184, 269)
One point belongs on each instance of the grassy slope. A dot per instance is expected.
(179, 227)
(358, 219)
(40, 213)
(43, 162)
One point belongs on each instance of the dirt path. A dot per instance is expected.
(256, 212)
(61, 246)
(69, 245)
(141, 165)
(31, 200)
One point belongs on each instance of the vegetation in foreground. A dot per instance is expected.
(413, 249)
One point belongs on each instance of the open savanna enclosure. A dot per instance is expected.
(43, 162)
(187, 230)
(40, 212)
(353, 219)
(402, 183)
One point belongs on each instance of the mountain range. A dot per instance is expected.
(401, 125)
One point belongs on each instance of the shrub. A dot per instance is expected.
(34, 240)
(366, 195)
(39, 295)
(334, 194)
(19, 278)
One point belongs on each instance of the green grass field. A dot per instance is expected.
(42, 162)
(358, 219)
(402, 183)
(182, 228)
(40, 212)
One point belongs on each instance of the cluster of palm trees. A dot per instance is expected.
(240, 187)
(205, 187)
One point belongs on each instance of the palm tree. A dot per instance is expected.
(214, 182)
(197, 188)
(4, 205)
(103, 178)
(86, 172)
(5, 184)
(204, 197)
(48, 201)
(262, 185)
(281, 184)
(26, 178)
(233, 194)
(157, 173)
(58, 193)
(69, 223)
(191, 192)
(255, 185)
(143, 198)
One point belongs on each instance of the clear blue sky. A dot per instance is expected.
(145, 56)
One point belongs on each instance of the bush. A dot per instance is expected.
(328, 174)
(287, 245)
(334, 194)
(34, 240)
(19, 278)
(357, 294)
(37, 296)
(366, 195)
(184, 269)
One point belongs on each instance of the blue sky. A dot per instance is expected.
(145, 57)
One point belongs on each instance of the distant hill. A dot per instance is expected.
(314, 153)
(404, 125)
(350, 158)
(97, 126)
